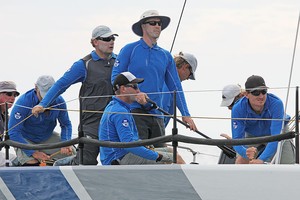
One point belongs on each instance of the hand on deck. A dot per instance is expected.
(190, 122)
(37, 109)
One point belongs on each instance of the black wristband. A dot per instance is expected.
(159, 157)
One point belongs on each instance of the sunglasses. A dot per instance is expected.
(106, 39)
(257, 92)
(153, 23)
(11, 94)
(134, 86)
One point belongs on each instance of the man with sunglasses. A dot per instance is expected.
(258, 104)
(144, 58)
(8, 94)
(94, 72)
(118, 125)
(186, 65)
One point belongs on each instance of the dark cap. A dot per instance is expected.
(124, 78)
(255, 82)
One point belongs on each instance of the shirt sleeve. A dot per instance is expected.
(126, 132)
(238, 129)
(277, 112)
(121, 63)
(64, 121)
(16, 124)
(75, 74)
(173, 82)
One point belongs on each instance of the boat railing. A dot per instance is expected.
(224, 144)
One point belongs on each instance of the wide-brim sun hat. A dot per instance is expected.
(137, 28)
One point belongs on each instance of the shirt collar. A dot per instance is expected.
(122, 102)
(96, 57)
(144, 44)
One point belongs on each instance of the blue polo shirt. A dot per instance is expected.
(273, 109)
(117, 125)
(157, 67)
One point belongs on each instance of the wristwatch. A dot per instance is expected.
(159, 157)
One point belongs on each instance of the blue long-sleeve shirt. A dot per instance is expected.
(77, 73)
(117, 125)
(273, 109)
(156, 66)
(37, 129)
(167, 103)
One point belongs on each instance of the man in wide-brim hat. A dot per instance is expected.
(144, 58)
(146, 16)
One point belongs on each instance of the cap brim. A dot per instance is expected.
(259, 88)
(192, 76)
(137, 29)
(11, 90)
(137, 80)
(227, 102)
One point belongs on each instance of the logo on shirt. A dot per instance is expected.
(234, 125)
(117, 62)
(125, 123)
(18, 115)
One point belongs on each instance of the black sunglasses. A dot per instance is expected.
(257, 92)
(106, 39)
(153, 23)
(134, 86)
(11, 94)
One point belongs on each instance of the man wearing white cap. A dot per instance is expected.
(39, 130)
(186, 65)
(94, 72)
(144, 58)
(231, 94)
(8, 94)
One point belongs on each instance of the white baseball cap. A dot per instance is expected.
(229, 92)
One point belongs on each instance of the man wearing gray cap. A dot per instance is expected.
(144, 58)
(8, 93)
(186, 65)
(40, 130)
(94, 72)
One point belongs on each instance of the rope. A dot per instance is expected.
(162, 139)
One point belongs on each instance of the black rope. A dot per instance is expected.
(162, 139)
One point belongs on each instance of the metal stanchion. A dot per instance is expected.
(80, 133)
(174, 129)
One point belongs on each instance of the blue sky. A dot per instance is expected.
(232, 40)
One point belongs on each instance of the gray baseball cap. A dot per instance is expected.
(44, 83)
(102, 31)
(191, 59)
